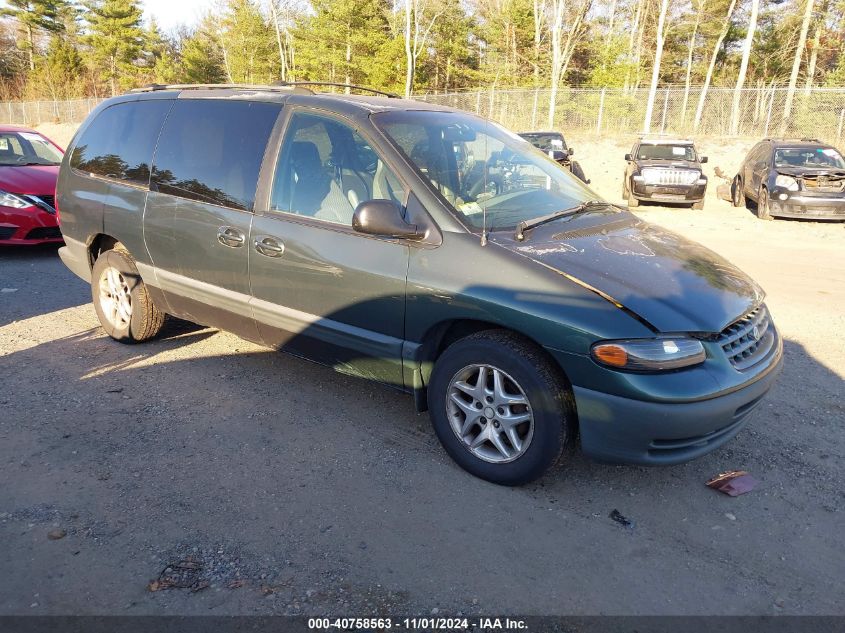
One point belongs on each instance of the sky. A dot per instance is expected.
(171, 13)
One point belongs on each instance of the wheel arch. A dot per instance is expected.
(441, 335)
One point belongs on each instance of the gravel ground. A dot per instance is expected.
(201, 474)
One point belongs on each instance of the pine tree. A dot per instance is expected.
(34, 16)
(201, 56)
(115, 37)
(248, 44)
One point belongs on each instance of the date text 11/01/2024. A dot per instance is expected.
(426, 624)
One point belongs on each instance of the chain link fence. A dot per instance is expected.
(34, 113)
(818, 113)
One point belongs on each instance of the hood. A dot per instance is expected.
(811, 171)
(32, 179)
(671, 282)
(666, 163)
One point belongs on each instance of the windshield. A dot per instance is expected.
(808, 157)
(545, 142)
(666, 151)
(479, 166)
(27, 148)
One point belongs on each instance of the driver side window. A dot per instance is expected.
(326, 169)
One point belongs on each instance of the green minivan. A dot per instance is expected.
(427, 249)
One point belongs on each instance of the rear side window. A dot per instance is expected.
(119, 143)
(211, 150)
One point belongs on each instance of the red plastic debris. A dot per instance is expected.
(733, 483)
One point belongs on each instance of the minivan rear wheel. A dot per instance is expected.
(121, 300)
(500, 408)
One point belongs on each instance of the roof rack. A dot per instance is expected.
(281, 86)
(804, 139)
(272, 88)
(391, 95)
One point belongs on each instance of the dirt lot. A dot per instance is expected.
(290, 489)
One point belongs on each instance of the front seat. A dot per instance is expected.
(309, 183)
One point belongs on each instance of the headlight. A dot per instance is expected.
(787, 182)
(658, 354)
(11, 200)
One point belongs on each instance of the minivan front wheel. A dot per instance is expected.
(121, 300)
(499, 407)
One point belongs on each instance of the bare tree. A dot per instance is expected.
(415, 39)
(726, 26)
(701, 4)
(563, 48)
(743, 66)
(796, 63)
(632, 38)
(655, 71)
(814, 47)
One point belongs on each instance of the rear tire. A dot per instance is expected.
(763, 209)
(698, 206)
(121, 300)
(509, 424)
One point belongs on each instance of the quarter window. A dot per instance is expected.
(211, 150)
(326, 169)
(119, 143)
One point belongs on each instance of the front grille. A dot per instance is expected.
(661, 176)
(46, 202)
(748, 341)
(44, 233)
(825, 183)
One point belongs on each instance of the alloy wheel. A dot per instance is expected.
(490, 413)
(115, 298)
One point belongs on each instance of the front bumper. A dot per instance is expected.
(624, 430)
(803, 204)
(28, 226)
(668, 193)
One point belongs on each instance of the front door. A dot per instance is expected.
(199, 210)
(321, 290)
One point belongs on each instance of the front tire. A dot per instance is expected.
(500, 408)
(737, 193)
(121, 300)
(763, 209)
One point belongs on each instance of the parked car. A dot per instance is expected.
(792, 178)
(661, 169)
(425, 248)
(29, 166)
(553, 144)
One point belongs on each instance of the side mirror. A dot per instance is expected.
(384, 218)
(628, 157)
(702, 160)
(571, 151)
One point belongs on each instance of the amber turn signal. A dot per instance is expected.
(611, 354)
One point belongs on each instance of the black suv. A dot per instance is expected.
(792, 179)
(663, 169)
(422, 247)
(553, 144)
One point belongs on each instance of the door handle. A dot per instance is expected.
(230, 236)
(269, 246)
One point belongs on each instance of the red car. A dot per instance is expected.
(29, 165)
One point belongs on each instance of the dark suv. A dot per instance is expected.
(424, 248)
(553, 144)
(792, 179)
(662, 169)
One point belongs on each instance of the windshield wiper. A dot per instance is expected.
(527, 225)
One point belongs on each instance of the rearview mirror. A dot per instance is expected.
(628, 157)
(384, 218)
(703, 160)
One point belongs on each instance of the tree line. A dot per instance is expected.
(62, 49)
